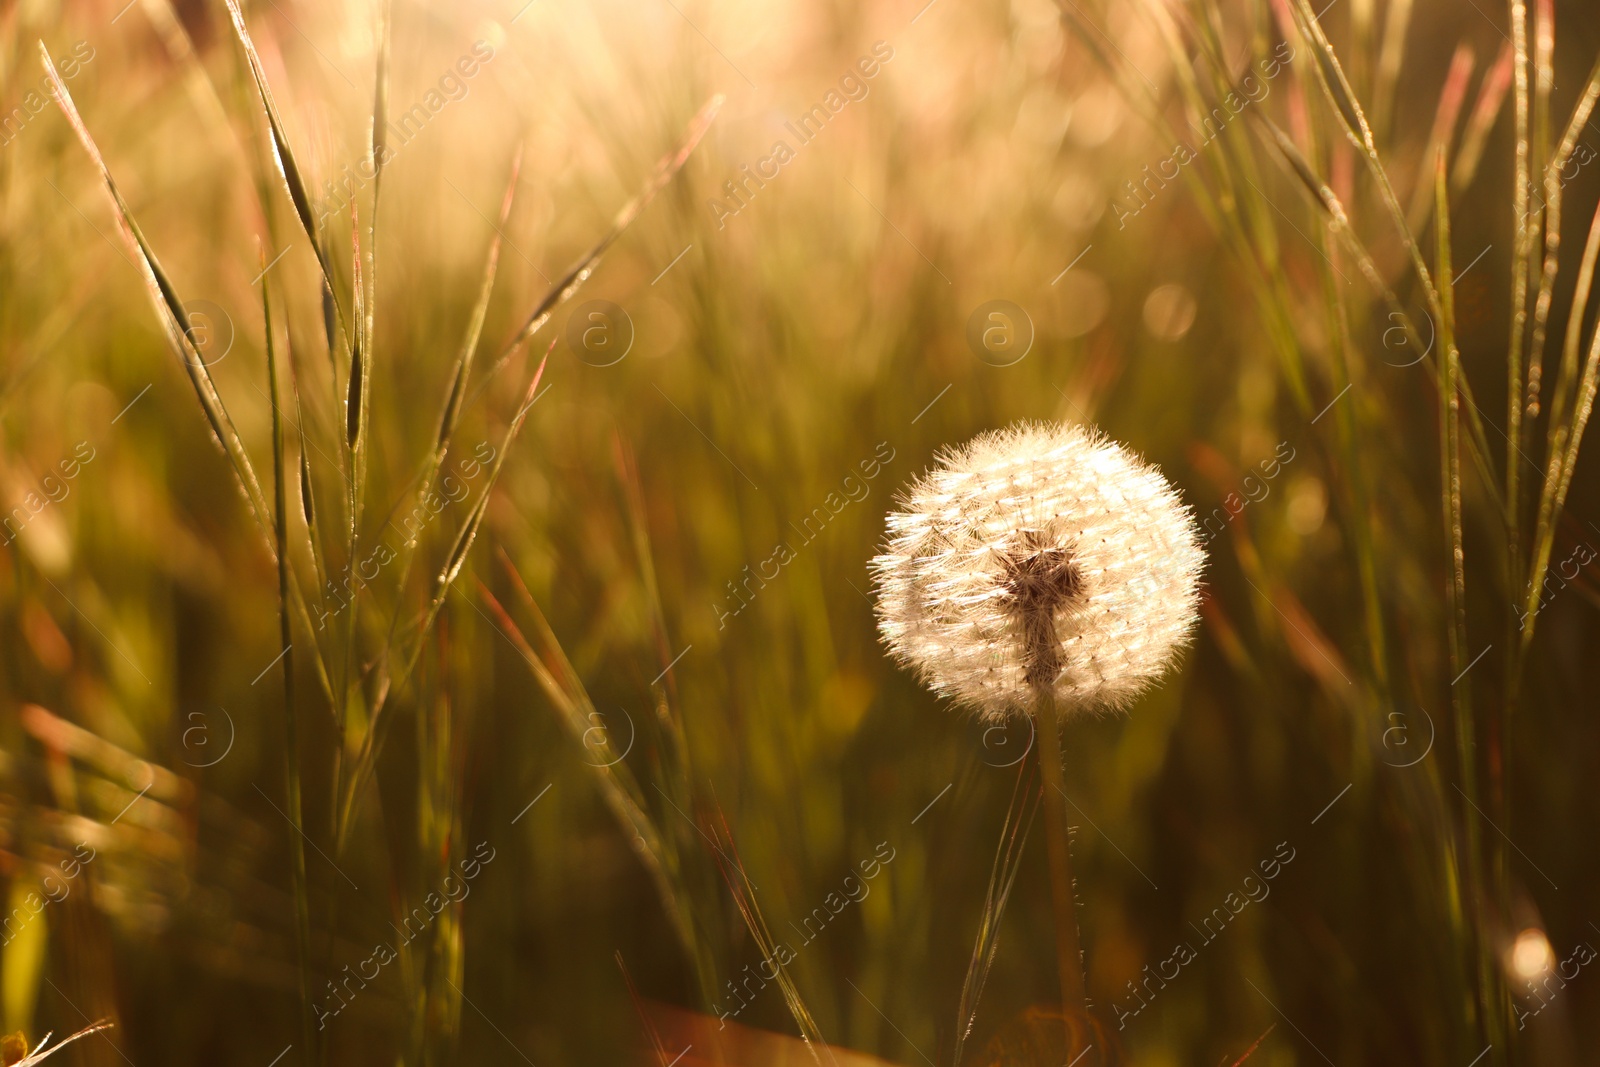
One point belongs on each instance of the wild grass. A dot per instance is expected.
(1381, 267)
(1484, 872)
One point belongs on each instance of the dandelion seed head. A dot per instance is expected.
(1041, 555)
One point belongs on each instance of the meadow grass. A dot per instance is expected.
(432, 687)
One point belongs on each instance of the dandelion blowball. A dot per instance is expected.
(1039, 557)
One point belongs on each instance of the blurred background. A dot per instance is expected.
(658, 665)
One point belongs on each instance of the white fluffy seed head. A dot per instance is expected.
(1041, 554)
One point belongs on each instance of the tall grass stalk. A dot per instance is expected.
(288, 166)
(439, 589)
(1526, 68)
(291, 734)
(620, 789)
(450, 414)
(1466, 731)
(350, 332)
(561, 291)
(743, 892)
(174, 320)
(1299, 229)
(1567, 417)
(1521, 377)
(1013, 840)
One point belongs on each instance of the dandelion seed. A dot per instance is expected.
(1039, 558)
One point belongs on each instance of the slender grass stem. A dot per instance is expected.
(1475, 877)
(1002, 877)
(291, 742)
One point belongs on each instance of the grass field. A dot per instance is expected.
(442, 447)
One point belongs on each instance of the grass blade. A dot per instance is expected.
(450, 414)
(570, 282)
(469, 529)
(174, 321)
(1391, 53)
(465, 537)
(355, 411)
(564, 689)
(744, 898)
(1252, 240)
(1554, 185)
(283, 154)
(1451, 97)
(1002, 875)
(1336, 87)
(380, 110)
(169, 308)
(1359, 497)
(1491, 96)
(1562, 410)
(474, 335)
(1449, 371)
(1525, 222)
(633, 493)
(1571, 405)
(1324, 196)
(560, 292)
(291, 744)
(307, 491)
(1544, 43)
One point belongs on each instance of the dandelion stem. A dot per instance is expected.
(1069, 954)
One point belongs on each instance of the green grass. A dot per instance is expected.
(531, 599)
